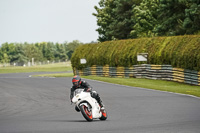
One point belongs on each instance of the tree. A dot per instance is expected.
(123, 24)
(48, 50)
(171, 17)
(105, 17)
(19, 56)
(60, 53)
(31, 51)
(21, 53)
(7, 52)
(4, 58)
(114, 19)
(191, 23)
(178, 17)
(123, 19)
(145, 17)
(70, 47)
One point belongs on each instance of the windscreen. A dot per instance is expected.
(78, 91)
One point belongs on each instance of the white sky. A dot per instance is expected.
(47, 20)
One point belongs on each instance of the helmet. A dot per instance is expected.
(76, 81)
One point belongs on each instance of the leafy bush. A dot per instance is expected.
(178, 51)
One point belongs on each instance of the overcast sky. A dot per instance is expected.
(47, 20)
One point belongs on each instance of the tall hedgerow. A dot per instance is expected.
(178, 51)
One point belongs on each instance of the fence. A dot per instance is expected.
(29, 63)
(160, 72)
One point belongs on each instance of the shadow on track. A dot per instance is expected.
(70, 121)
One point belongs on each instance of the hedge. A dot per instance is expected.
(178, 51)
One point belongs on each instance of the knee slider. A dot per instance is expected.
(94, 94)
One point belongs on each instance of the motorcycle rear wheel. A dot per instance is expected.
(86, 113)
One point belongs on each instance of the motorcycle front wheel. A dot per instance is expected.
(87, 114)
(104, 115)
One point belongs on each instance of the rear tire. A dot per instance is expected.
(86, 113)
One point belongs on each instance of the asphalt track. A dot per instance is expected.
(41, 105)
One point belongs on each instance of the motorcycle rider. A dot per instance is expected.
(78, 83)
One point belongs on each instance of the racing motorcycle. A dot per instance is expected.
(88, 106)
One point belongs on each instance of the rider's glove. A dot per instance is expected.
(88, 90)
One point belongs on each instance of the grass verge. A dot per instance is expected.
(55, 75)
(56, 67)
(161, 85)
(143, 83)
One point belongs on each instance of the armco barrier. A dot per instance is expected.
(93, 70)
(106, 71)
(130, 71)
(198, 78)
(191, 77)
(161, 72)
(141, 71)
(112, 71)
(120, 72)
(178, 75)
(99, 70)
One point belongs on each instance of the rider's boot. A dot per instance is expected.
(95, 95)
(76, 108)
(102, 106)
(100, 103)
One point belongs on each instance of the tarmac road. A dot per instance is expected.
(42, 105)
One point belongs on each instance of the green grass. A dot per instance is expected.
(143, 83)
(55, 75)
(161, 85)
(56, 67)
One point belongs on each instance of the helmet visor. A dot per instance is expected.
(75, 83)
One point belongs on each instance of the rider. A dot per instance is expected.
(77, 83)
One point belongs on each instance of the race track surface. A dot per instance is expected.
(42, 105)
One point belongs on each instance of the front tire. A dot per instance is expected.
(86, 113)
(104, 115)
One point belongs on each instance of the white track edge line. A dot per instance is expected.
(146, 89)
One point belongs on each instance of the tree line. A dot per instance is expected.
(22, 53)
(124, 19)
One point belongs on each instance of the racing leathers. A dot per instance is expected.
(84, 85)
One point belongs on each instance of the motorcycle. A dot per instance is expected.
(88, 106)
